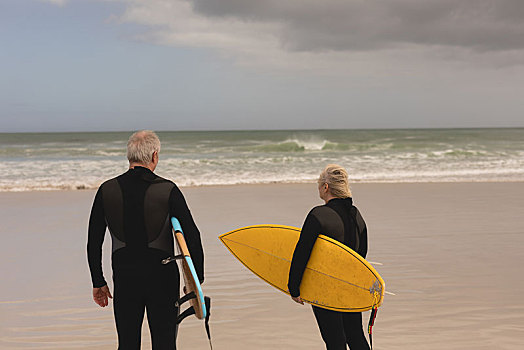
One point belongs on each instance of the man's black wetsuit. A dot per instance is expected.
(342, 221)
(136, 207)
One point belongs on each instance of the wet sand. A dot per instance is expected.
(451, 252)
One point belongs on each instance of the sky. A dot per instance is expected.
(110, 65)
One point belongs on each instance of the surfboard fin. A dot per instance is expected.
(191, 311)
(185, 298)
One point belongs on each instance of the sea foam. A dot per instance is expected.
(85, 160)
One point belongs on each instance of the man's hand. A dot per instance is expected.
(101, 295)
(298, 300)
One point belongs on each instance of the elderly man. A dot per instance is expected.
(136, 207)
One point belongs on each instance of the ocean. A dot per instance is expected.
(53, 161)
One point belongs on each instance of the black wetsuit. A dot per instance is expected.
(136, 207)
(340, 220)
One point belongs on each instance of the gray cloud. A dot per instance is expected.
(361, 25)
(56, 2)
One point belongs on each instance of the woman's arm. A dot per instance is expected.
(308, 236)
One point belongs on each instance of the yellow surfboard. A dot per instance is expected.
(336, 277)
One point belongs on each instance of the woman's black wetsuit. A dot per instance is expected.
(136, 207)
(342, 221)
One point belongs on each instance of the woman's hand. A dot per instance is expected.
(298, 300)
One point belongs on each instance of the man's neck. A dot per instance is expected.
(147, 166)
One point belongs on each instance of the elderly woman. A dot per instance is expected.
(339, 219)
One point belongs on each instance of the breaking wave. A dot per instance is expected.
(83, 161)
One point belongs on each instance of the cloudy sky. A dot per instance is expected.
(75, 65)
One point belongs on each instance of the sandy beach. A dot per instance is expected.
(451, 252)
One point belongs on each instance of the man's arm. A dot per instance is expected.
(102, 295)
(308, 236)
(95, 238)
(179, 209)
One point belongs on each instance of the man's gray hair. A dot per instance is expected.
(141, 146)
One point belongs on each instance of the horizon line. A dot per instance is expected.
(248, 130)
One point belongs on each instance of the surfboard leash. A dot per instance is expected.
(372, 317)
(206, 323)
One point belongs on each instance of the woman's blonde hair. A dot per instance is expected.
(337, 179)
